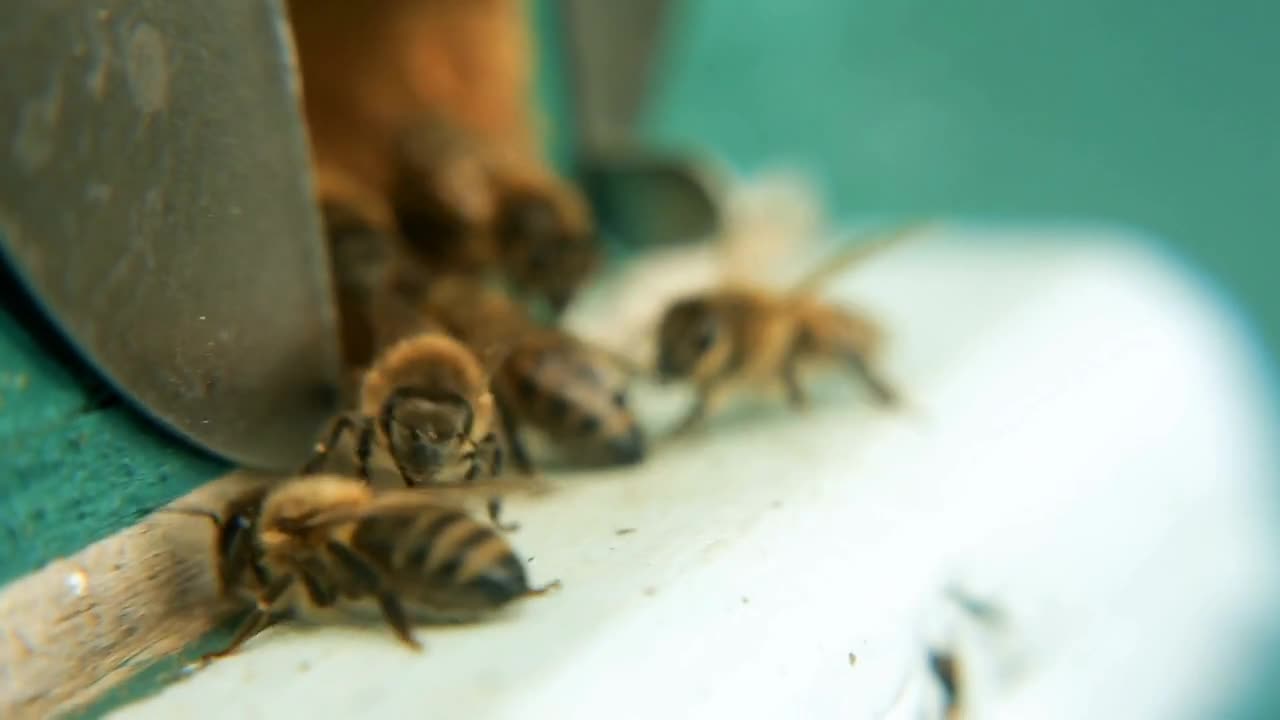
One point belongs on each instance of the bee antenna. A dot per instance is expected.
(863, 248)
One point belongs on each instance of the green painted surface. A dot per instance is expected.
(552, 84)
(75, 463)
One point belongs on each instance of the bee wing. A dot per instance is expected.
(403, 500)
(771, 221)
(861, 248)
(322, 519)
(460, 495)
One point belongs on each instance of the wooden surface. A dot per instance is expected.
(85, 623)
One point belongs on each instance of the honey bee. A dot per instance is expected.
(375, 281)
(479, 210)
(741, 335)
(360, 257)
(328, 541)
(549, 380)
(425, 402)
(574, 394)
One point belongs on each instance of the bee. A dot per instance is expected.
(375, 283)
(466, 207)
(328, 541)
(741, 335)
(549, 380)
(360, 257)
(425, 403)
(571, 393)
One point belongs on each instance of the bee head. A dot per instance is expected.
(692, 340)
(427, 433)
(604, 430)
(541, 253)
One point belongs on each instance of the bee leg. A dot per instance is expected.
(796, 395)
(698, 413)
(364, 449)
(238, 556)
(319, 593)
(339, 426)
(881, 390)
(520, 456)
(368, 580)
(360, 573)
(487, 458)
(550, 587)
(393, 612)
(494, 506)
(258, 620)
(519, 452)
(944, 668)
(492, 452)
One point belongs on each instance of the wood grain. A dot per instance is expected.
(83, 624)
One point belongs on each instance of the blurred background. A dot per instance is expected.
(1162, 116)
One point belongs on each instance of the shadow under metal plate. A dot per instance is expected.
(155, 199)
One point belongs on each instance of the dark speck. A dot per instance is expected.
(853, 659)
(624, 531)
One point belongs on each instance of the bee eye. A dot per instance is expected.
(705, 340)
(589, 425)
(541, 259)
(559, 408)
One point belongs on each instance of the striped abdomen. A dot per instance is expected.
(439, 560)
(551, 384)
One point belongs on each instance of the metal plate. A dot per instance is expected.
(156, 201)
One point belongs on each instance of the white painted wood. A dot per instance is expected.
(1089, 450)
